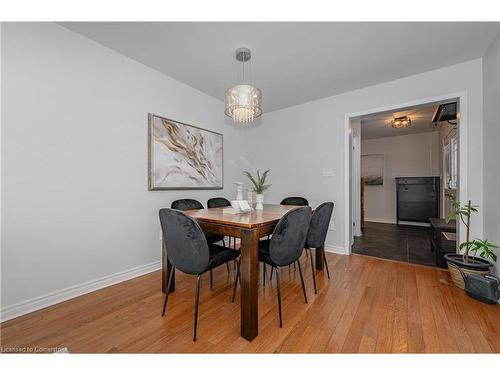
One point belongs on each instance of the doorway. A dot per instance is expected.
(404, 173)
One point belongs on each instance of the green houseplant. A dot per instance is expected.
(259, 186)
(468, 262)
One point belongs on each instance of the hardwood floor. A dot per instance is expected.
(403, 243)
(369, 305)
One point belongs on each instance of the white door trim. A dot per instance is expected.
(356, 186)
(462, 151)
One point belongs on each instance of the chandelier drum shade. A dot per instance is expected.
(243, 103)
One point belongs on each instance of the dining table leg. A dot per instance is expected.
(320, 258)
(166, 268)
(249, 271)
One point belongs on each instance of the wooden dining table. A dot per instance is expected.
(249, 228)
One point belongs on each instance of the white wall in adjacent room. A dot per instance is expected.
(413, 155)
(297, 143)
(491, 134)
(75, 204)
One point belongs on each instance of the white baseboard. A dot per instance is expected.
(415, 223)
(37, 303)
(377, 220)
(335, 249)
(390, 221)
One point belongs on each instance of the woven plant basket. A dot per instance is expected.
(457, 277)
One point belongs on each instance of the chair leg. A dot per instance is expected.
(236, 278)
(263, 274)
(271, 277)
(313, 272)
(302, 282)
(211, 285)
(196, 302)
(279, 295)
(224, 244)
(326, 264)
(168, 289)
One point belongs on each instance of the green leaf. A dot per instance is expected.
(450, 217)
(252, 180)
(259, 182)
(462, 245)
(491, 245)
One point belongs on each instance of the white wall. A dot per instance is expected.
(491, 186)
(404, 156)
(75, 205)
(297, 142)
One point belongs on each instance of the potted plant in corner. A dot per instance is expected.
(259, 187)
(467, 263)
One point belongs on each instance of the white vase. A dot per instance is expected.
(259, 200)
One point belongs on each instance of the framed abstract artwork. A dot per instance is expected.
(372, 169)
(182, 156)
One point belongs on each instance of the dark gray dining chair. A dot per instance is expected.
(221, 202)
(193, 204)
(218, 202)
(189, 252)
(291, 201)
(286, 245)
(316, 237)
(295, 201)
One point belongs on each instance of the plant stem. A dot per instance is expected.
(467, 248)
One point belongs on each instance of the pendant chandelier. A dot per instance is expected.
(401, 122)
(243, 103)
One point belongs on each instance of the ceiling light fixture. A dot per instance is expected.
(243, 103)
(401, 122)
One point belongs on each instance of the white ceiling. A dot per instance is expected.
(378, 125)
(292, 63)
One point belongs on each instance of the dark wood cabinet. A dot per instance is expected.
(417, 198)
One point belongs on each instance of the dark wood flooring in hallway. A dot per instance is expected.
(403, 243)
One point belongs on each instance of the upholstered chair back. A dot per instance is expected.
(186, 244)
(186, 204)
(295, 201)
(218, 202)
(318, 229)
(289, 236)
